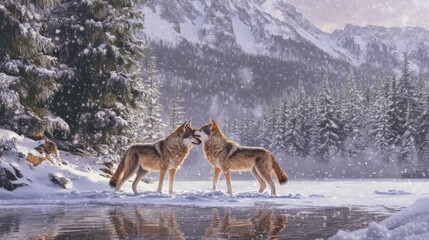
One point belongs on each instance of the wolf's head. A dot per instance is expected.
(187, 135)
(207, 130)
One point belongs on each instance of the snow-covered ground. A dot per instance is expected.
(374, 195)
(88, 186)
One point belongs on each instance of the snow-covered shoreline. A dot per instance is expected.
(364, 194)
(410, 223)
(89, 186)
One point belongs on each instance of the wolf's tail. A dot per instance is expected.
(119, 172)
(279, 172)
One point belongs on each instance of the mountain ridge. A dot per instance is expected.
(262, 27)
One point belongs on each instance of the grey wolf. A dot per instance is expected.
(226, 156)
(165, 155)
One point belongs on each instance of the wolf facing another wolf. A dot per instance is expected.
(225, 156)
(167, 154)
(222, 154)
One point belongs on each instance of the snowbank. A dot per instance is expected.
(411, 223)
(83, 172)
(89, 185)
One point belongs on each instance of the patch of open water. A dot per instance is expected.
(177, 222)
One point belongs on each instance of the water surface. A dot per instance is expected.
(173, 222)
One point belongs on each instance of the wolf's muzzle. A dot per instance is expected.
(198, 141)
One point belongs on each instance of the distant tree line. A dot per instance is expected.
(388, 120)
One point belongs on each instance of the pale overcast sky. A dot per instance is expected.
(333, 14)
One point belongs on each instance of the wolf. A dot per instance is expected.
(167, 154)
(225, 156)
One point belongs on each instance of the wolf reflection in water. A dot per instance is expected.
(263, 222)
(267, 223)
(179, 222)
(140, 222)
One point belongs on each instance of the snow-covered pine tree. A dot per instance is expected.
(408, 111)
(307, 118)
(98, 70)
(352, 117)
(422, 98)
(273, 134)
(232, 127)
(298, 129)
(393, 113)
(329, 128)
(406, 96)
(264, 128)
(27, 80)
(285, 111)
(381, 131)
(152, 121)
(423, 124)
(277, 134)
(177, 113)
(312, 125)
(409, 154)
(248, 130)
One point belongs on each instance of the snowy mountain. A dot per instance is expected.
(236, 54)
(383, 47)
(256, 27)
(276, 29)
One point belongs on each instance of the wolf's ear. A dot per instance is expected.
(182, 127)
(188, 125)
(213, 124)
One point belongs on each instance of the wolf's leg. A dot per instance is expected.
(216, 176)
(171, 180)
(129, 171)
(141, 173)
(266, 175)
(162, 173)
(227, 175)
(258, 178)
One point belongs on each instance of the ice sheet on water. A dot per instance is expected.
(392, 192)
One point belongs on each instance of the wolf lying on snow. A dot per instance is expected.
(167, 154)
(225, 156)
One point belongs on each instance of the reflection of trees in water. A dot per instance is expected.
(149, 223)
(264, 223)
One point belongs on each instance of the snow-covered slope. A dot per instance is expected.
(411, 223)
(83, 173)
(256, 27)
(271, 27)
(382, 46)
